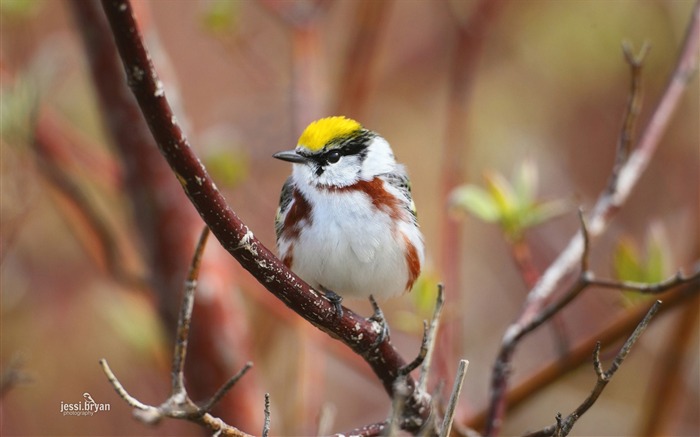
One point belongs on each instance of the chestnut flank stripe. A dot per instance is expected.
(412, 261)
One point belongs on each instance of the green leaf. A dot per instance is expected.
(477, 201)
(626, 261)
(525, 182)
(133, 319)
(656, 268)
(513, 205)
(543, 212)
(20, 8)
(227, 167)
(631, 266)
(221, 16)
(18, 103)
(424, 294)
(501, 192)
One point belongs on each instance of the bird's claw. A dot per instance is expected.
(378, 316)
(336, 300)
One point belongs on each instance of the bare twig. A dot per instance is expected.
(432, 336)
(454, 398)
(266, 424)
(179, 405)
(517, 332)
(610, 334)
(657, 288)
(121, 391)
(185, 318)
(634, 104)
(563, 426)
(211, 403)
(420, 358)
(610, 200)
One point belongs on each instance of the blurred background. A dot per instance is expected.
(490, 94)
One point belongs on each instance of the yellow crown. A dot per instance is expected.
(323, 131)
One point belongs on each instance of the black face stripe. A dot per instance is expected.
(355, 144)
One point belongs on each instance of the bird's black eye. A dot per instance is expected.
(333, 156)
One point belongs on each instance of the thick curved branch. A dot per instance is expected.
(355, 331)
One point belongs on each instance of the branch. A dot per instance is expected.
(516, 332)
(608, 335)
(658, 288)
(358, 333)
(164, 223)
(266, 425)
(454, 397)
(179, 405)
(610, 200)
(432, 338)
(614, 196)
(564, 426)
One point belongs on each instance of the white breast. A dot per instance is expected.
(351, 247)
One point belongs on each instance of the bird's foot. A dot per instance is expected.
(336, 300)
(378, 317)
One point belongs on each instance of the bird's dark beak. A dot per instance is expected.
(291, 156)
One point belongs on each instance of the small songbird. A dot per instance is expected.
(346, 222)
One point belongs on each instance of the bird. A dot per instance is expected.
(346, 222)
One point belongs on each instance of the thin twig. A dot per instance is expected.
(634, 104)
(266, 424)
(418, 360)
(586, 242)
(432, 336)
(185, 318)
(605, 376)
(211, 403)
(610, 334)
(454, 398)
(563, 427)
(646, 288)
(119, 388)
(178, 405)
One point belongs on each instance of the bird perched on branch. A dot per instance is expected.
(346, 222)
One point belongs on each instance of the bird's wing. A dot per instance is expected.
(286, 197)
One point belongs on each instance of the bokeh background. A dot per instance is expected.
(548, 87)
